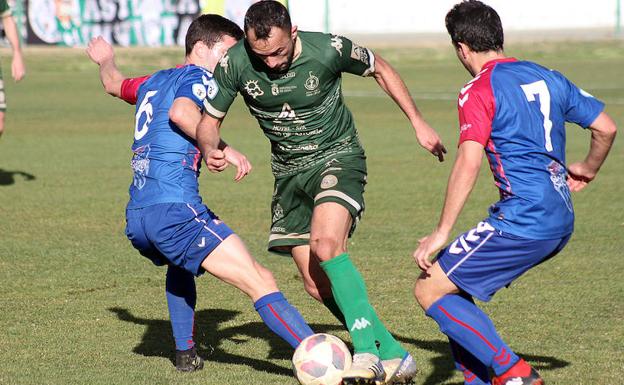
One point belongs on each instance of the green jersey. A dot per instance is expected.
(301, 111)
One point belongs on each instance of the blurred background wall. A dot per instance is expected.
(164, 22)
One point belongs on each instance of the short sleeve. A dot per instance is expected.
(196, 85)
(476, 113)
(225, 89)
(130, 88)
(349, 57)
(581, 107)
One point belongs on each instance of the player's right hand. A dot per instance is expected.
(215, 161)
(99, 50)
(430, 140)
(240, 161)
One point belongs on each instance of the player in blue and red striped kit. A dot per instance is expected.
(515, 112)
(166, 220)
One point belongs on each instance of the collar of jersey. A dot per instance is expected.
(493, 62)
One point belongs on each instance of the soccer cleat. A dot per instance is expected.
(188, 360)
(519, 374)
(366, 369)
(400, 370)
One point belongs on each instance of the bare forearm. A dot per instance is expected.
(111, 78)
(12, 35)
(392, 84)
(208, 135)
(461, 182)
(602, 137)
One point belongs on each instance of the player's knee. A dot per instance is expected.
(424, 296)
(326, 247)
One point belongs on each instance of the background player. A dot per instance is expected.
(18, 69)
(515, 111)
(166, 220)
(291, 82)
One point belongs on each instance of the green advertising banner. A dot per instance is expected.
(121, 22)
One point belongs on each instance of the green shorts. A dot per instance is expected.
(341, 180)
(2, 95)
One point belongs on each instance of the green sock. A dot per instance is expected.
(389, 348)
(350, 294)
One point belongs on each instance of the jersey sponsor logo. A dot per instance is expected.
(359, 53)
(336, 42)
(360, 323)
(253, 89)
(558, 177)
(140, 165)
(276, 90)
(224, 62)
(287, 112)
(199, 90)
(329, 181)
(288, 75)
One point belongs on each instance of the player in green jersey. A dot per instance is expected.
(18, 69)
(291, 83)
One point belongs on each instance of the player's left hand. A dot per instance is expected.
(215, 161)
(430, 140)
(428, 246)
(18, 69)
(240, 161)
(579, 175)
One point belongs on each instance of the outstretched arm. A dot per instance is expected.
(603, 132)
(18, 69)
(390, 81)
(461, 181)
(101, 53)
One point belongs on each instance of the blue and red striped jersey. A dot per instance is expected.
(165, 161)
(517, 110)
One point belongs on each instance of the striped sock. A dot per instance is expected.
(283, 318)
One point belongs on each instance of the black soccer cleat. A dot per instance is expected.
(188, 360)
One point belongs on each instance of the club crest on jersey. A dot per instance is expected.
(312, 82)
(329, 181)
(199, 91)
(336, 42)
(253, 89)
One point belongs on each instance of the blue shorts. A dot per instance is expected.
(484, 260)
(179, 234)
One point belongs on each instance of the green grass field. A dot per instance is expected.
(79, 306)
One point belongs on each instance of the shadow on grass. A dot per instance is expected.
(158, 342)
(209, 334)
(8, 177)
(443, 366)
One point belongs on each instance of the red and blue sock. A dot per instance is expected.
(462, 321)
(474, 371)
(283, 318)
(181, 298)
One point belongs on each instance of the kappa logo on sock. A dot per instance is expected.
(361, 323)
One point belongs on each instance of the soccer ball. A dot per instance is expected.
(321, 359)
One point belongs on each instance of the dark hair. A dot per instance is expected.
(475, 24)
(264, 15)
(210, 29)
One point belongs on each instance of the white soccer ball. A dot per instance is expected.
(321, 359)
